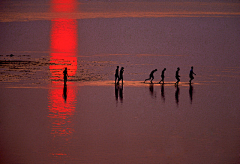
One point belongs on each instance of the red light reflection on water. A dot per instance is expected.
(62, 102)
(62, 98)
(61, 112)
(63, 47)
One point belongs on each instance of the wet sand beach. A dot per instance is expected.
(97, 124)
(90, 119)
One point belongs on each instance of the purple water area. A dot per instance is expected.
(89, 119)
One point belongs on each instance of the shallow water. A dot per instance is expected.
(92, 120)
(104, 124)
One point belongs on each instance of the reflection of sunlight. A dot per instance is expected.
(62, 98)
(61, 112)
(63, 47)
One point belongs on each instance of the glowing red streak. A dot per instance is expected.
(63, 47)
(63, 5)
(63, 54)
(61, 112)
(64, 36)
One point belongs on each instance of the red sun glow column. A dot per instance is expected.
(63, 40)
(63, 47)
(62, 98)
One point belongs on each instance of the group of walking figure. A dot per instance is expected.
(119, 77)
(177, 76)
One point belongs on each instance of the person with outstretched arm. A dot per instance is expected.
(151, 77)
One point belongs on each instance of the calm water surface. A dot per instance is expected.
(90, 120)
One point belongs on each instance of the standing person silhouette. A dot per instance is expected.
(121, 75)
(65, 75)
(151, 77)
(116, 74)
(162, 76)
(191, 75)
(177, 76)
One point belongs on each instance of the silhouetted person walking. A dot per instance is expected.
(177, 76)
(121, 75)
(65, 75)
(191, 75)
(151, 77)
(116, 74)
(162, 76)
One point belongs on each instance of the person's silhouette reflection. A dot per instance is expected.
(191, 92)
(65, 92)
(119, 91)
(162, 93)
(116, 92)
(177, 94)
(151, 89)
